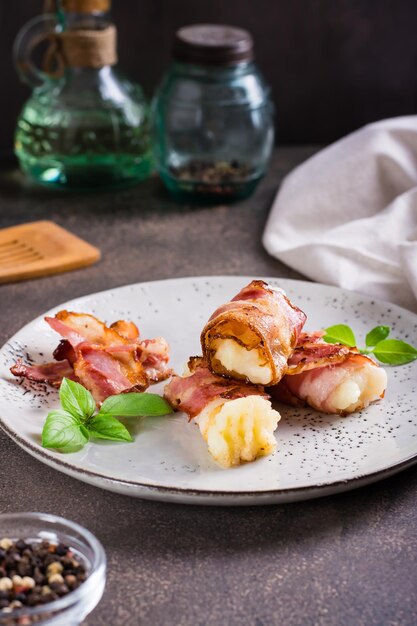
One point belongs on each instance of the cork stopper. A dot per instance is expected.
(86, 6)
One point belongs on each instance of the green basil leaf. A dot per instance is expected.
(84, 431)
(107, 427)
(376, 335)
(340, 334)
(394, 352)
(135, 405)
(76, 399)
(63, 431)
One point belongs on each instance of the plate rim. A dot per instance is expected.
(170, 493)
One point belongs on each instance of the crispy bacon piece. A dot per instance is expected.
(51, 373)
(330, 378)
(64, 352)
(312, 352)
(104, 375)
(154, 356)
(252, 337)
(80, 327)
(106, 360)
(121, 340)
(65, 331)
(128, 330)
(193, 393)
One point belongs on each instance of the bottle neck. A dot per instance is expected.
(88, 39)
(84, 21)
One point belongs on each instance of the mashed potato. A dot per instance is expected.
(240, 430)
(249, 363)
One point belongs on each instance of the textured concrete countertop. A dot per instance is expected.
(348, 559)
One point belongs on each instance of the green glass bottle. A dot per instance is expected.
(85, 126)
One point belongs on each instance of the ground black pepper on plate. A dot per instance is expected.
(35, 573)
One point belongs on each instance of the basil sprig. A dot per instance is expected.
(71, 427)
(389, 351)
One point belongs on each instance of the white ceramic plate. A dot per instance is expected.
(317, 454)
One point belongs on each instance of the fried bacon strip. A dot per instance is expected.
(312, 352)
(106, 360)
(330, 378)
(154, 356)
(51, 373)
(235, 419)
(252, 336)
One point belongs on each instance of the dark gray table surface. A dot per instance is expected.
(348, 559)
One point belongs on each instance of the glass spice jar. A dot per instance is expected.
(70, 609)
(85, 126)
(212, 116)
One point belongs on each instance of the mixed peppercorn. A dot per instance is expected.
(213, 177)
(35, 573)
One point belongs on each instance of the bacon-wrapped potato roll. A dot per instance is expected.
(251, 337)
(235, 419)
(330, 378)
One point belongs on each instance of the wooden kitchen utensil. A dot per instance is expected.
(39, 249)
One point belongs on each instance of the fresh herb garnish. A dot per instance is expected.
(394, 352)
(63, 430)
(340, 334)
(133, 404)
(377, 334)
(70, 428)
(389, 351)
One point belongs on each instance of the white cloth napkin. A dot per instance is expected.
(348, 215)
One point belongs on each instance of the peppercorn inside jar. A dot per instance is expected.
(212, 116)
(52, 571)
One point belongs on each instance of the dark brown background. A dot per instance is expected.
(333, 64)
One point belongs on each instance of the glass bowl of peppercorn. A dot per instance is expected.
(52, 571)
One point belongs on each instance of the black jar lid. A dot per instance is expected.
(212, 44)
